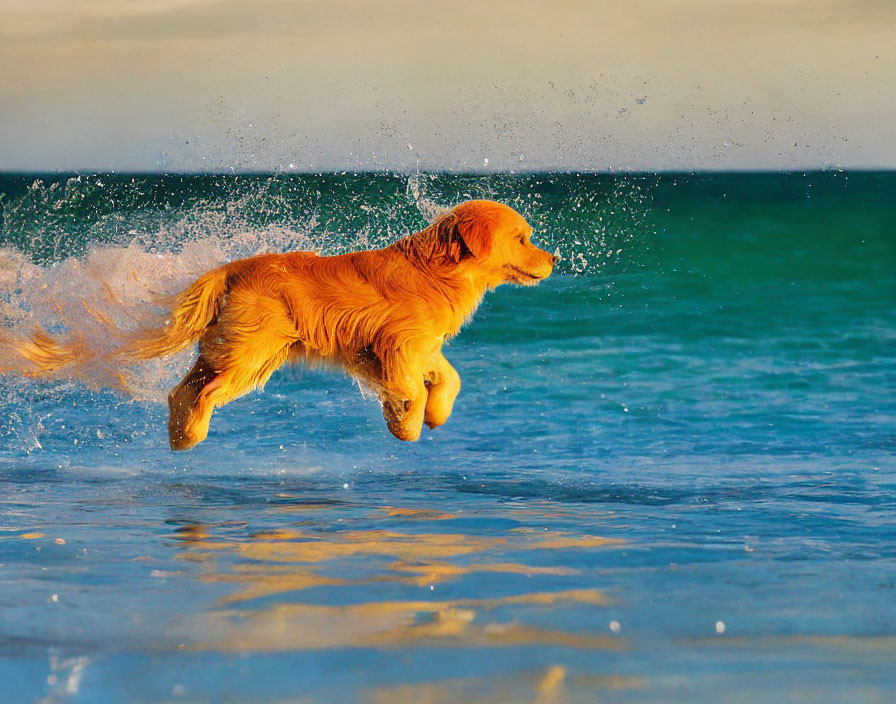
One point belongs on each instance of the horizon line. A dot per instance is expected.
(446, 172)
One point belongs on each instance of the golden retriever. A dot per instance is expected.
(382, 314)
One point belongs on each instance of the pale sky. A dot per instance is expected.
(307, 85)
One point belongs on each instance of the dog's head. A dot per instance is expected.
(493, 240)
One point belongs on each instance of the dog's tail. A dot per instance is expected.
(192, 312)
(40, 354)
(99, 356)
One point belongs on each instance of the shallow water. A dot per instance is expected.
(669, 476)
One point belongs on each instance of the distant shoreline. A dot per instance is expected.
(452, 172)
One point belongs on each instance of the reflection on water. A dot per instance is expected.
(466, 601)
(549, 686)
(269, 570)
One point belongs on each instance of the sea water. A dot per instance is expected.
(669, 475)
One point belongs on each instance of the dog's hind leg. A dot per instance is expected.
(194, 399)
(189, 410)
(251, 337)
(192, 404)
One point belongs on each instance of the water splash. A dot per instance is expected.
(596, 222)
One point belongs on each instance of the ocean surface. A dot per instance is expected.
(670, 474)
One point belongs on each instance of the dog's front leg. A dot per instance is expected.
(444, 386)
(404, 405)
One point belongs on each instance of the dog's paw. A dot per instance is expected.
(182, 443)
(405, 432)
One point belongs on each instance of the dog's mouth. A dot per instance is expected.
(523, 276)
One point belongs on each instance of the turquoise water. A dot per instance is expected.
(669, 475)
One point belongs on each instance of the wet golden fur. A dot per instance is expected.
(382, 314)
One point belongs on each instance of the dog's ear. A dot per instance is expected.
(477, 235)
(464, 237)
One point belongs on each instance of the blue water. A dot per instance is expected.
(669, 476)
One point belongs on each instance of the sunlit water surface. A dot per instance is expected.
(669, 476)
